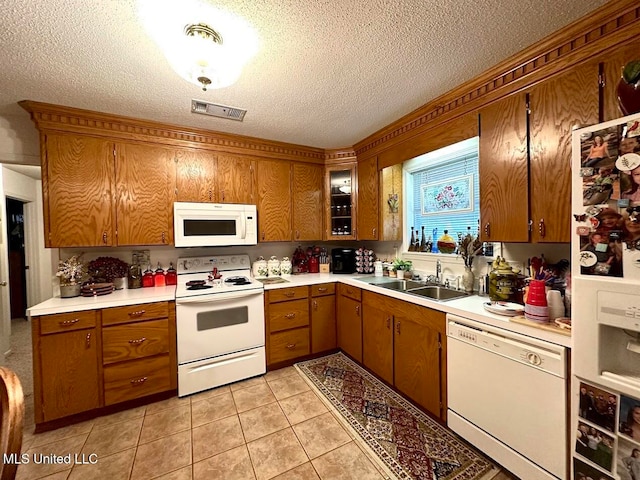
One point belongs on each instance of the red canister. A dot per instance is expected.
(314, 264)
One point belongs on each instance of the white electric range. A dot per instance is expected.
(220, 322)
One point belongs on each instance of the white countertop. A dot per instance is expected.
(118, 298)
(468, 307)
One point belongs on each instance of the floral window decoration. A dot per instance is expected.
(453, 195)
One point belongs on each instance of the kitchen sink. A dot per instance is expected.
(437, 292)
(400, 285)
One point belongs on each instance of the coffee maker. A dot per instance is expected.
(343, 260)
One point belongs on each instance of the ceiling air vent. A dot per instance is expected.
(215, 110)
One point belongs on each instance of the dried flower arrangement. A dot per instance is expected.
(105, 269)
(71, 271)
(468, 247)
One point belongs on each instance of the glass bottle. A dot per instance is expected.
(423, 242)
(135, 277)
(159, 278)
(147, 277)
(412, 243)
(171, 276)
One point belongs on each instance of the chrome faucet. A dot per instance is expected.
(438, 272)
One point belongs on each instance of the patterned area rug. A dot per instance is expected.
(408, 443)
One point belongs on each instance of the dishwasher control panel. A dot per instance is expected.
(519, 348)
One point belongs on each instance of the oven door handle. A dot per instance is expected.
(219, 297)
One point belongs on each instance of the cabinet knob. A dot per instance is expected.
(164, 237)
(315, 305)
(398, 328)
(358, 310)
(388, 323)
(373, 231)
(104, 237)
(290, 315)
(88, 339)
(487, 229)
(137, 341)
(297, 234)
(541, 228)
(263, 236)
(138, 381)
(291, 346)
(68, 323)
(210, 195)
(222, 196)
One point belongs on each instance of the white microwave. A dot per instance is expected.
(214, 224)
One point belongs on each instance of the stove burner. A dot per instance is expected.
(198, 286)
(193, 283)
(238, 280)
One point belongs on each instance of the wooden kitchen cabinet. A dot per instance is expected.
(274, 201)
(78, 181)
(377, 335)
(340, 202)
(196, 176)
(612, 65)
(323, 317)
(368, 200)
(307, 201)
(235, 179)
(287, 324)
(65, 362)
(391, 204)
(349, 320)
(145, 179)
(525, 158)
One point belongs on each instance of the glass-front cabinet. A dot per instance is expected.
(341, 203)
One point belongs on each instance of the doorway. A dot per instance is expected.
(17, 258)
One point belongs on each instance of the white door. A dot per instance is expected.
(5, 312)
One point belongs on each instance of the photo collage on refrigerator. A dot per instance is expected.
(608, 435)
(609, 225)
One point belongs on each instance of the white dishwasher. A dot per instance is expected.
(507, 396)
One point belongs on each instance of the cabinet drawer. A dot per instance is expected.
(287, 345)
(133, 313)
(64, 322)
(290, 293)
(323, 289)
(134, 340)
(349, 291)
(285, 315)
(136, 378)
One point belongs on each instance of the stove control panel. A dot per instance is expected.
(207, 264)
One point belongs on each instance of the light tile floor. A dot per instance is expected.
(266, 427)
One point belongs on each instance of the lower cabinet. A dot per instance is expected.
(323, 317)
(349, 319)
(404, 344)
(90, 359)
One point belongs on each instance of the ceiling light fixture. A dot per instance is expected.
(211, 52)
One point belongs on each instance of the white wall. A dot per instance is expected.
(19, 140)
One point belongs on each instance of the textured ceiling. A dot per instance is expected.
(328, 73)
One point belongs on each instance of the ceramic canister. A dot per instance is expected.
(285, 266)
(259, 268)
(273, 266)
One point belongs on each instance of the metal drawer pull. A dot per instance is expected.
(138, 341)
(358, 310)
(289, 294)
(290, 315)
(398, 328)
(389, 322)
(66, 323)
(138, 313)
(315, 305)
(291, 346)
(322, 289)
(88, 339)
(138, 381)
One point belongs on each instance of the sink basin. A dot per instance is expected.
(437, 292)
(400, 285)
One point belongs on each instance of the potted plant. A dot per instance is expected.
(71, 272)
(401, 267)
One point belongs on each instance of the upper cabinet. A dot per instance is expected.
(78, 179)
(368, 200)
(236, 179)
(340, 203)
(525, 158)
(391, 203)
(145, 179)
(611, 68)
(196, 176)
(307, 201)
(274, 201)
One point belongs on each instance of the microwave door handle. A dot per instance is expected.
(221, 298)
(244, 226)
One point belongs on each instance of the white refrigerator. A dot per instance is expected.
(605, 301)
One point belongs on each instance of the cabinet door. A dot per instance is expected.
(377, 337)
(235, 175)
(195, 176)
(349, 327)
(307, 201)
(368, 199)
(340, 203)
(613, 63)
(417, 362)
(391, 203)
(145, 176)
(69, 368)
(503, 164)
(557, 106)
(78, 181)
(274, 201)
(323, 323)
